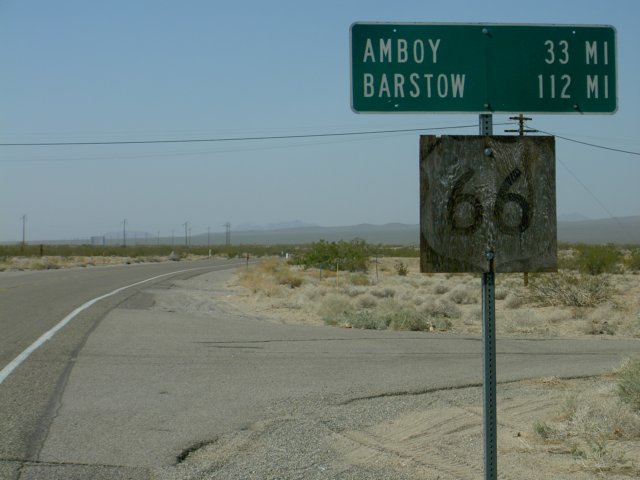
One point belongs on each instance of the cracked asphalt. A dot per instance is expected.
(141, 392)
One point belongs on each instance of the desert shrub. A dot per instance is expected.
(401, 268)
(395, 319)
(522, 322)
(473, 316)
(366, 319)
(501, 293)
(465, 295)
(269, 265)
(351, 256)
(598, 259)
(601, 328)
(367, 301)
(603, 320)
(334, 307)
(442, 309)
(513, 301)
(383, 292)
(352, 291)
(629, 383)
(440, 289)
(543, 429)
(270, 272)
(406, 319)
(359, 279)
(568, 259)
(570, 290)
(441, 324)
(587, 425)
(632, 261)
(289, 278)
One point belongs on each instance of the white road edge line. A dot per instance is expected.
(15, 363)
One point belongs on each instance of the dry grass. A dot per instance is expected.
(55, 262)
(598, 425)
(564, 304)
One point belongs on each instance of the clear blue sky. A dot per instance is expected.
(136, 70)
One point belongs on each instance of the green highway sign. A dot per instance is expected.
(483, 68)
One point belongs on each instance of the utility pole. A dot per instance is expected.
(124, 232)
(24, 229)
(186, 237)
(158, 237)
(208, 237)
(173, 232)
(521, 131)
(228, 234)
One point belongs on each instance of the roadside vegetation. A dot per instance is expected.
(355, 285)
(51, 257)
(599, 427)
(595, 293)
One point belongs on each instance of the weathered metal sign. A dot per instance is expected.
(487, 194)
(483, 68)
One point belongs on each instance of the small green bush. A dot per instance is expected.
(359, 279)
(401, 268)
(405, 319)
(543, 429)
(629, 383)
(367, 319)
(395, 319)
(598, 259)
(632, 262)
(350, 256)
(289, 278)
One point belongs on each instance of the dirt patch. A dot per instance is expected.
(428, 436)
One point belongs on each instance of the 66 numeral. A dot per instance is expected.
(503, 198)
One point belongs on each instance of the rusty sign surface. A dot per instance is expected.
(487, 194)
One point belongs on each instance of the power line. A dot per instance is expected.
(290, 137)
(237, 139)
(594, 145)
(595, 197)
(582, 184)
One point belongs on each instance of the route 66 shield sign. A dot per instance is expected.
(487, 194)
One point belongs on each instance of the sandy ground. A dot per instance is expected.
(546, 427)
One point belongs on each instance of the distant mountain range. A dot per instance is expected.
(571, 229)
(621, 230)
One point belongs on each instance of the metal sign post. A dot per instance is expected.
(490, 407)
(489, 369)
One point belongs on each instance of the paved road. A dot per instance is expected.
(129, 390)
(32, 303)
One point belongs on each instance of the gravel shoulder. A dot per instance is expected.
(436, 435)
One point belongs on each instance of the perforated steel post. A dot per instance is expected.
(489, 348)
(489, 368)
